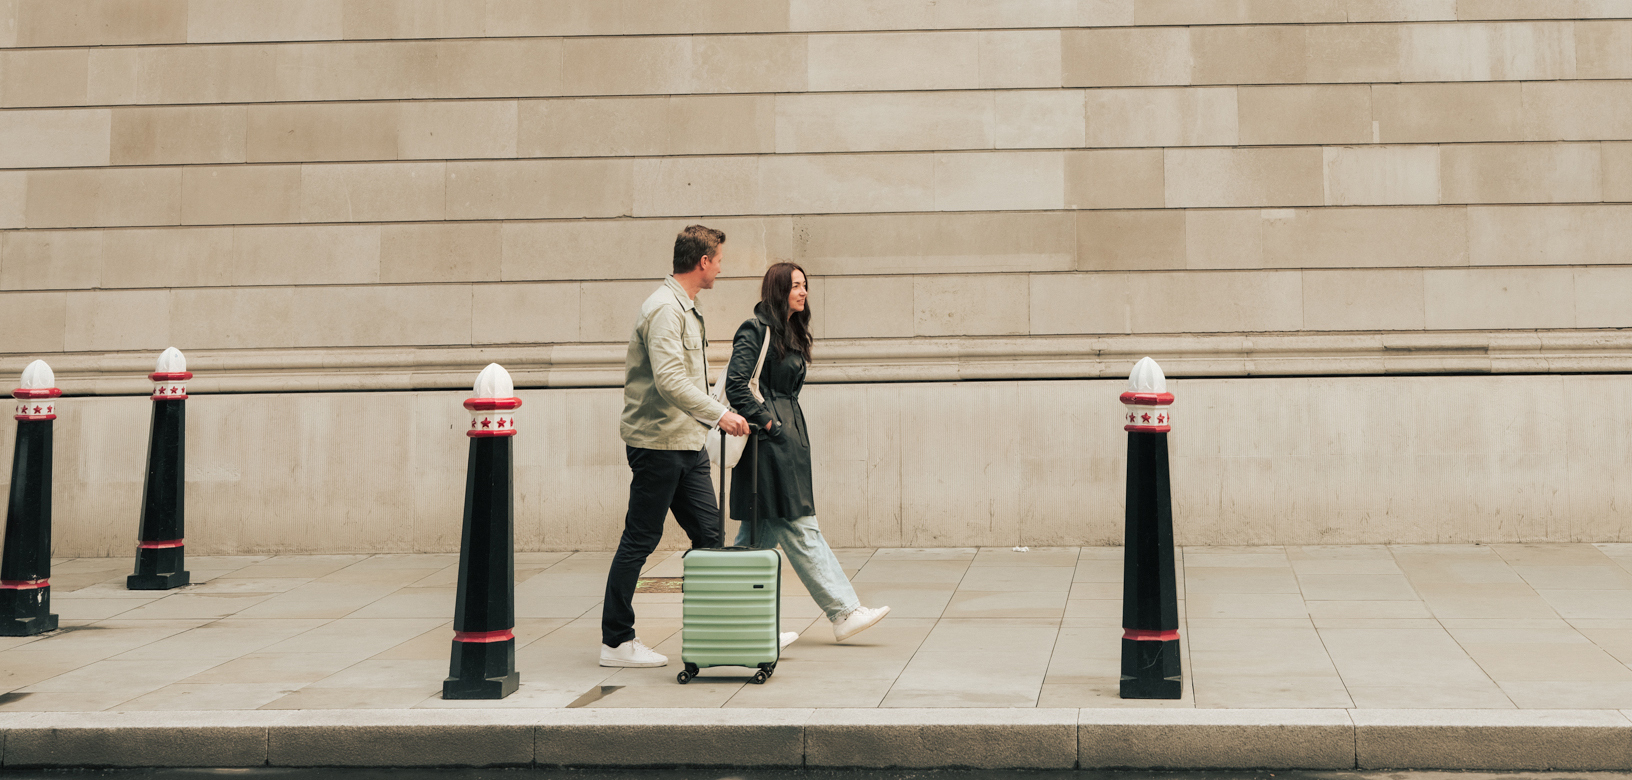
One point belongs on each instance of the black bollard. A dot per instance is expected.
(484, 644)
(1150, 605)
(25, 564)
(161, 553)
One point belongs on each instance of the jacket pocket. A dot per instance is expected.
(692, 341)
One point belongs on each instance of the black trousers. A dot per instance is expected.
(663, 480)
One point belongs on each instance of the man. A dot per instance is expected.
(667, 414)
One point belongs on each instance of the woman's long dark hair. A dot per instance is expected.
(789, 334)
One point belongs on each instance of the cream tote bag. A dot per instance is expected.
(733, 445)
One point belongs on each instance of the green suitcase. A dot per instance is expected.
(731, 603)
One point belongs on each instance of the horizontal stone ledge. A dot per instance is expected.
(1493, 739)
(428, 737)
(799, 17)
(672, 737)
(884, 737)
(773, 185)
(1041, 16)
(942, 738)
(1216, 739)
(127, 739)
(793, 61)
(872, 360)
(949, 120)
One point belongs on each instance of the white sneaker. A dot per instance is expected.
(859, 620)
(633, 654)
(786, 638)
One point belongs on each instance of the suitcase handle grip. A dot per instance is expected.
(752, 452)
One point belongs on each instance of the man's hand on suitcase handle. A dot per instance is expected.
(734, 424)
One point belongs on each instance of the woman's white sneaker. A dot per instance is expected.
(859, 620)
(786, 638)
(632, 653)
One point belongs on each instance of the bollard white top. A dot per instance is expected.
(493, 410)
(1147, 377)
(170, 376)
(38, 376)
(171, 361)
(1147, 404)
(36, 399)
(494, 382)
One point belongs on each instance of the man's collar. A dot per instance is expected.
(686, 303)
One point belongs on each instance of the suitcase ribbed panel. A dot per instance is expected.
(728, 621)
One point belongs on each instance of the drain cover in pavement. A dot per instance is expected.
(593, 695)
(658, 585)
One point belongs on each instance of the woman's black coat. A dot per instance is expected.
(784, 452)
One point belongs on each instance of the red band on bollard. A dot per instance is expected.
(1155, 419)
(170, 386)
(161, 545)
(492, 416)
(1145, 635)
(24, 584)
(36, 404)
(483, 637)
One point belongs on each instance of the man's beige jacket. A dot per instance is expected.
(666, 405)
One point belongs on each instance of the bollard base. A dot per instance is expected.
(33, 626)
(26, 612)
(167, 581)
(482, 670)
(161, 568)
(1150, 670)
(487, 688)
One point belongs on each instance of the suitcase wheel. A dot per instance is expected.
(686, 674)
(760, 677)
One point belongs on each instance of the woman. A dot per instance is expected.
(787, 509)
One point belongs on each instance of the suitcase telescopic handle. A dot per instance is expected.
(753, 477)
(753, 503)
(723, 471)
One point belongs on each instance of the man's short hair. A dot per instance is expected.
(693, 244)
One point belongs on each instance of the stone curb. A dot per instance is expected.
(870, 738)
(1493, 739)
(672, 737)
(942, 738)
(1216, 739)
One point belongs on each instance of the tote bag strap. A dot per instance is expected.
(718, 392)
(753, 381)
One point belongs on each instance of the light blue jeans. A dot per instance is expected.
(811, 559)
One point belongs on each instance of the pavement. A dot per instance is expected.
(1507, 656)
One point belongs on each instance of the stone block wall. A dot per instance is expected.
(385, 195)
